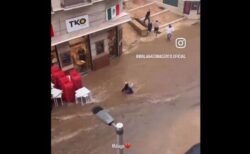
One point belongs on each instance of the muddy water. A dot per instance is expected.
(156, 82)
(156, 77)
(167, 127)
(151, 77)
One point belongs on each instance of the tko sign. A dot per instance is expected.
(77, 23)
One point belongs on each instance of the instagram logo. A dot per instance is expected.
(180, 42)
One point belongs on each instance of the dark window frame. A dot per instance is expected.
(195, 5)
(198, 10)
(102, 49)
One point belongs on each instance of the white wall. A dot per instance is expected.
(95, 12)
(179, 9)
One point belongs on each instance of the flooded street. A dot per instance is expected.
(162, 116)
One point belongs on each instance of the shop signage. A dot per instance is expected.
(77, 23)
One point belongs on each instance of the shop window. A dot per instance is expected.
(99, 47)
(195, 5)
(76, 42)
(53, 55)
(66, 59)
(198, 11)
(79, 51)
(171, 2)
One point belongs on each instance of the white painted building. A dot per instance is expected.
(92, 26)
(188, 8)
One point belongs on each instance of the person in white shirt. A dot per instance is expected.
(170, 30)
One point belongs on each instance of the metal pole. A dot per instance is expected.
(119, 132)
(120, 142)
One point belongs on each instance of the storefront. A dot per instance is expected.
(80, 54)
(90, 52)
(88, 37)
(171, 2)
(192, 9)
(188, 8)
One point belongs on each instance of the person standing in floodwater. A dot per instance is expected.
(127, 89)
(170, 30)
(150, 27)
(147, 17)
(156, 28)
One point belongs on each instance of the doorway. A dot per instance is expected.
(112, 42)
(80, 53)
(187, 7)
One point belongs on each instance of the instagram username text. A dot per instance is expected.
(169, 56)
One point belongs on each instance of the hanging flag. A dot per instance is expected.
(117, 9)
(113, 12)
(51, 31)
(113, 9)
(109, 16)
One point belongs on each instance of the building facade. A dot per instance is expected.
(188, 8)
(86, 33)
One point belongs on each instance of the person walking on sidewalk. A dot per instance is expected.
(170, 30)
(147, 17)
(156, 28)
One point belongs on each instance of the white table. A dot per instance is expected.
(52, 85)
(56, 93)
(83, 92)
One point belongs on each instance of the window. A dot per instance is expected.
(195, 5)
(66, 59)
(99, 47)
(171, 2)
(198, 11)
(65, 3)
(53, 55)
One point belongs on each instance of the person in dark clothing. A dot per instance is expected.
(82, 57)
(81, 54)
(147, 17)
(150, 25)
(127, 89)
